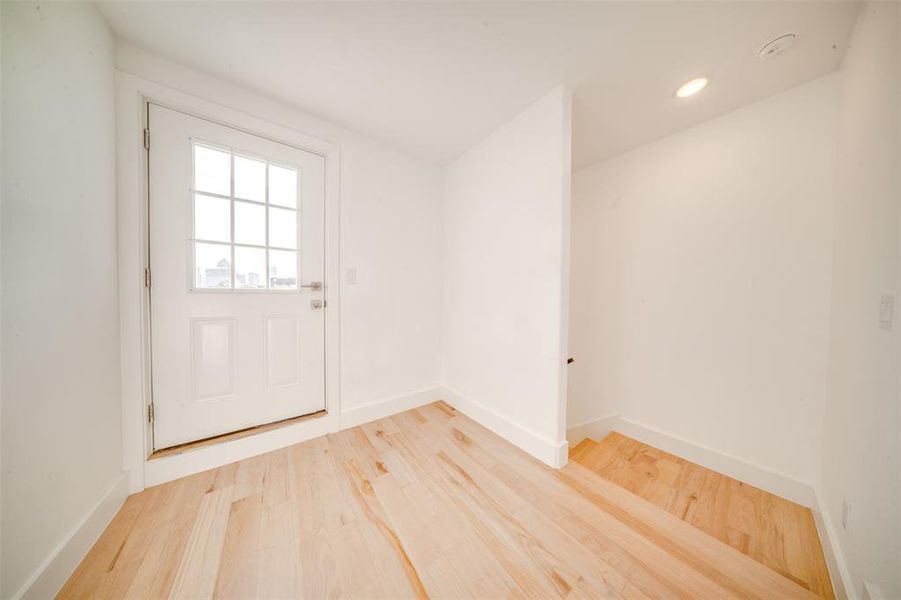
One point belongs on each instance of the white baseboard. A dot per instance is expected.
(357, 415)
(780, 484)
(48, 578)
(761, 477)
(161, 470)
(596, 429)
(835, 558)
(554, 454)
(774, 482)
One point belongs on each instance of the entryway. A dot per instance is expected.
(237, 271)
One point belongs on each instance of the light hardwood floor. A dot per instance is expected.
(773, 531)
(423, 504)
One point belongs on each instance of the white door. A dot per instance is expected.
(237, 229)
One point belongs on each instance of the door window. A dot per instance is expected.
(245, 221)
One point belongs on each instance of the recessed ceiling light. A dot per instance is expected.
(692, 87)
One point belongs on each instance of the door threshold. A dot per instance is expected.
(234, 435)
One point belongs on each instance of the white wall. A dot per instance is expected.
(1, 303)
(859, 445)
(701, 279)
(61, 413)
(390, 232)
(506, 227)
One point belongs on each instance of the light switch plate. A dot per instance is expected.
(350, 276)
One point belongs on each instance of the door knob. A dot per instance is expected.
(313, 285)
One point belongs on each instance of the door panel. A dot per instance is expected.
(282, 351)
(236, 230)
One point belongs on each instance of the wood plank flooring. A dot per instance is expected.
(773, 531)
(423, 504)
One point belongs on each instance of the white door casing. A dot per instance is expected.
(233, 345)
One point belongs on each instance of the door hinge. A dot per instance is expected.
(147, 139)
(150, 413)
(147, 277)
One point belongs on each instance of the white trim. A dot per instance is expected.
(782, 485)
(50, 576)
(131, 185)
(161, 470)
(132, 93)
(554, 454)
(842, 583)
(761, 477)
(595, 429)
(565, 263)
(777, 483)
(372, 411)
(203, 458)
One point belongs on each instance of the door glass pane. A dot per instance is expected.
(250, 223)
(283, 186)
(212, 265)
(212, 218)
(250, 268)
(282, 270)
(250, 179)
(212, 170)
(282, 228)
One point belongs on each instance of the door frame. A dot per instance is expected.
(133, 94)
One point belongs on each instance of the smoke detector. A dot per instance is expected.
(777, 46)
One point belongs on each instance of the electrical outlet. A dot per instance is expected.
(886, 310)
(846, 509)
(871, 591)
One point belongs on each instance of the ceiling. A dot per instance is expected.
(435, 78)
